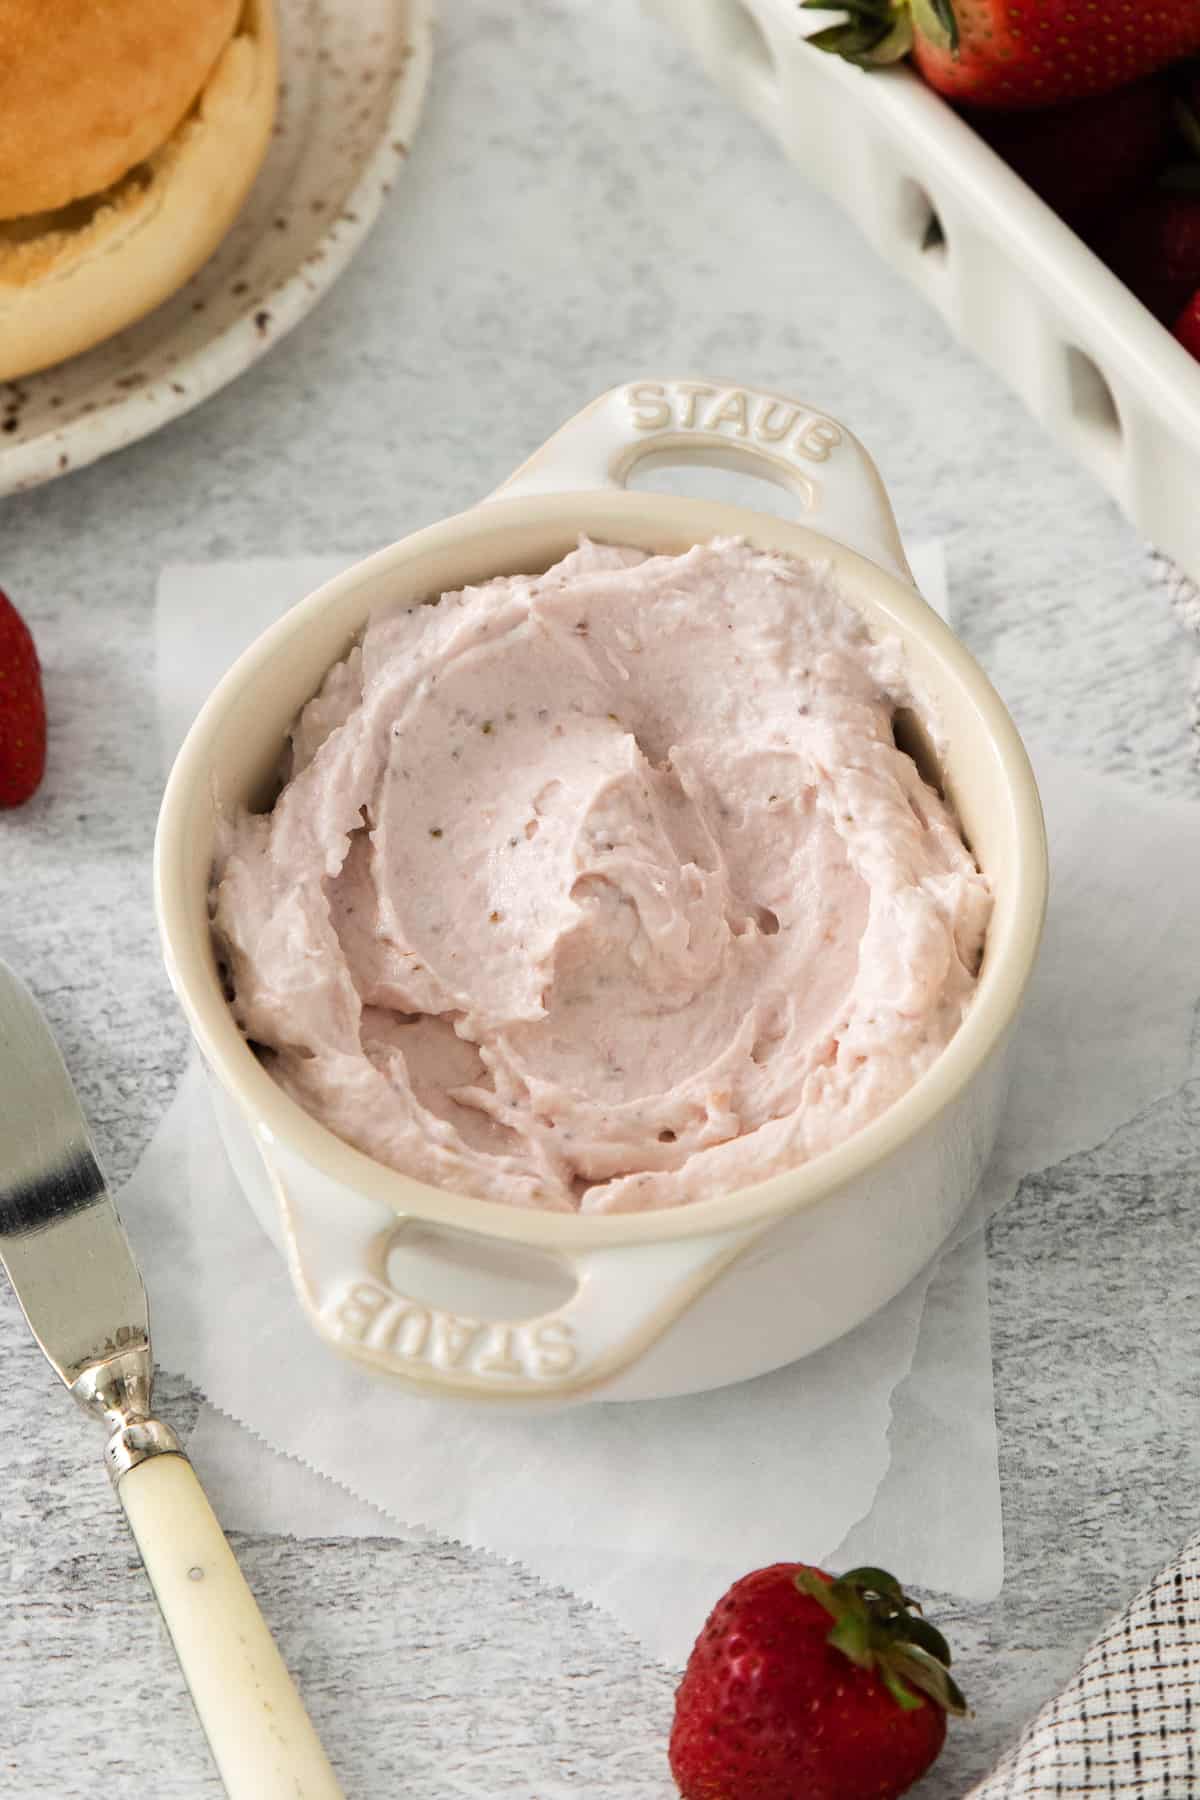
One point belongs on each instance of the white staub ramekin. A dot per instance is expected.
(461, 1296)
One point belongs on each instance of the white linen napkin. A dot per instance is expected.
(652, 1509)
(1125, 1725)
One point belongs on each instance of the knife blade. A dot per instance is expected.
(61, 1241)
(70, 1264)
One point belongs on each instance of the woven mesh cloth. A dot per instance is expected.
(1128, 1724)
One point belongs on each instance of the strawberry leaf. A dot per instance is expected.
(903, 1696)
(923, 1671)
(876, 1626)
(852, 1636)
(812, 1584)
(935, 21)
(893, 47)
(928, 1637)
(874, 32)
(876, 1581)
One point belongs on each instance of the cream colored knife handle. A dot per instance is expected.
(261, 1737)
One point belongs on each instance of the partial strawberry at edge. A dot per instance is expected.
(1154, 246)
(1187, 326)
(802, 1687)
(1010, 55)
(22, 710)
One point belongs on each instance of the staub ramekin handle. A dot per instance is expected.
(338, 1245)
(705, 420)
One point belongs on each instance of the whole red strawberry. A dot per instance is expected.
(22, 709)
(803, 1687)
(1187, 325)
(1013, 53)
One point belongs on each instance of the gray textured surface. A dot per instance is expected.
(578, 207)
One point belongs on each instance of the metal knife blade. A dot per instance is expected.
(61, 1240)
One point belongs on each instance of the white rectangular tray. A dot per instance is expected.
(1014, 283)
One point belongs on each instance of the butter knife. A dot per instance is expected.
(72, 1270)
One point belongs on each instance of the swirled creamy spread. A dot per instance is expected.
(604, 889)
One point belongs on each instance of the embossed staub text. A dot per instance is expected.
(740, 414)
(380, 1320)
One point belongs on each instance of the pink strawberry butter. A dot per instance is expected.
(604, 889)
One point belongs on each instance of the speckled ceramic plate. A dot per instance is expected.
(353, 77)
